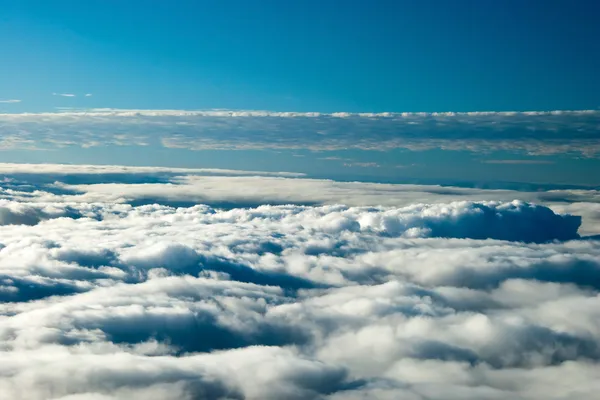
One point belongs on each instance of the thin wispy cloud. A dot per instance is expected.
(10, 101)
(332, 158)
(517, 162)
(405, 165)
(88, 95)
(64, 94)
(362, 164)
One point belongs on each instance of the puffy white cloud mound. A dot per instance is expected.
(15, 213)
(515, 221)
(518, 221)
(445, 300)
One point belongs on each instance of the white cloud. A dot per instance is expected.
(88, 95)
(105, 300)
(230, 188)
(66, 169)
(293, 114)
(64, 94)
(280, 190)
(333, 158)
(362, 164)
(10, 101)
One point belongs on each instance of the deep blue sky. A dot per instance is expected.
(301, 55)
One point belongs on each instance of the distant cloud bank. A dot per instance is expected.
(527, 133)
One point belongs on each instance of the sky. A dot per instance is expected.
(353, 74)
(325, 56)
(299, 199)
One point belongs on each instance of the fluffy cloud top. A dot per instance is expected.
(52, 183)
(515, 221)
(446, 300)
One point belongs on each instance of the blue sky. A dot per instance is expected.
(308, 56)
(559, 147)
(327, 55)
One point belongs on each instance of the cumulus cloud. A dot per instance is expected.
(240, 191)
(12, 213)
(476, 298)
(43, 183)
(533, 133)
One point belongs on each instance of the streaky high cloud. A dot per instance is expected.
(33, 170)
(362, 165)
(9, 101)
(532, 133)
(518, 162)
(294, 114)
(64, 94)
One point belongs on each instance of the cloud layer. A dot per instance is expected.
(101, 298)
(533, 133)
(53, 183)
